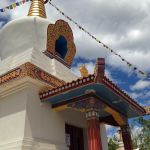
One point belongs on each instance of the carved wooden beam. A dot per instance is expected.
(99, 70)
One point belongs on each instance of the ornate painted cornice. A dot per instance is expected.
(67, 86)
(30, 70)
(10, 76)
(94, 78)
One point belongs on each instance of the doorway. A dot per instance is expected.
(74, 137)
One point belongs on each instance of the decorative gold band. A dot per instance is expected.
(37, 8)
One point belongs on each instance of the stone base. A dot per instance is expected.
(30, 144)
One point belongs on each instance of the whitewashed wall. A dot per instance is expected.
(28, 124)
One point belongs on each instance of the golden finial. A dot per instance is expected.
(37, 8)
(84, 71)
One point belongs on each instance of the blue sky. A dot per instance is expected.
(136, 87)
(123, 25)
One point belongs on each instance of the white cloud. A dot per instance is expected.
(111, 131)
(90, 67)
(140, 85)
(20, 11)
(123, 25)
(134, 34)
(135, 95)
(109, 75)
(136, 131)
(5, 3)
(143, 97)
(109, 127)
(137, 58)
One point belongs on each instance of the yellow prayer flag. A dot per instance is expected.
(14, 5)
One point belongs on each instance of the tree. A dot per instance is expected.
(142, 138)
(112, 145)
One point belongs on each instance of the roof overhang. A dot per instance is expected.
(101, 88)
(102, 93)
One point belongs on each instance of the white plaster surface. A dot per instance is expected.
(24, 40)
(22, 34)
(12, 116)
(74, 118)
(103, 136)
(39, 59)
(41, 121)
(77, 119)
(30, 144)
(28, 124)
(25, 122)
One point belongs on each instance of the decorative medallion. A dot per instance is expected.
(60, 42)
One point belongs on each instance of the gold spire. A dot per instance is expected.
(37, 8)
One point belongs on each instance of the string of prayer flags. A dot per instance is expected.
(14, 5)
(144, 74)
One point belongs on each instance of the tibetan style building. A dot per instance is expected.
(43, 105)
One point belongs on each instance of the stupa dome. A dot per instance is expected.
(23, 34)
(36, 32)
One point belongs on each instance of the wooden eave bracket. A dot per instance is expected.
(99, 70)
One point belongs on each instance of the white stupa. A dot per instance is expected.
(27, 65)
(25, 40)
(23, 34)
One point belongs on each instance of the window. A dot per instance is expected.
(61, 47)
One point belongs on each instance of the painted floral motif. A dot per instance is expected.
(32, 71)
(54, 31)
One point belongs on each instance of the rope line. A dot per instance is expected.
(144, 74)
(134, 68)
(14, 5)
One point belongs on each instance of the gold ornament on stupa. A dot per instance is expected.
(37, 8)
(83, 71)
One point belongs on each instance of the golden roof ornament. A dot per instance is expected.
(37, 8)
(84, 71)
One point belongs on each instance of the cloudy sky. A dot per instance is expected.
(124, 25)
